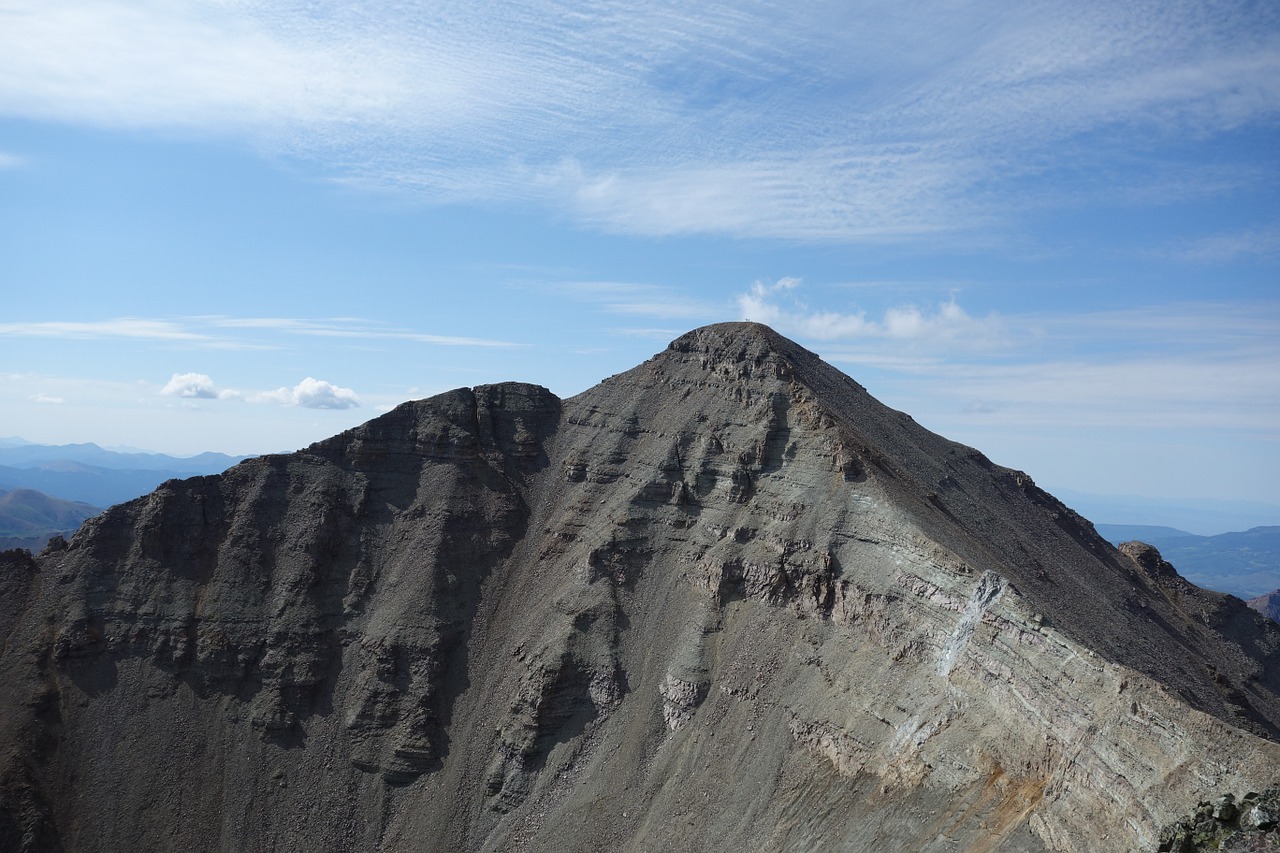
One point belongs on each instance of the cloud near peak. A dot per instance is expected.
(311, 393)
(777, 305)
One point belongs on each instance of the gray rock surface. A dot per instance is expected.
(1268, 605)
(723, 601)
(1226, 824)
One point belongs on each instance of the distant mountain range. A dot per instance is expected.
(1245, 564)
(90, 474)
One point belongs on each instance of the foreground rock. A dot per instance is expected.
(723, 601)
(1226, 824)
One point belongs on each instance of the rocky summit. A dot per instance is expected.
(723, 601)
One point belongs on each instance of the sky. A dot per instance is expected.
(1049, 230)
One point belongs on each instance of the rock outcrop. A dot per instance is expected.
(725, 600)
(1248, 825)
(1268, 605)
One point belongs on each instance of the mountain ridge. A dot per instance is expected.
(1244, 563)
(30, 454)
(724, 600)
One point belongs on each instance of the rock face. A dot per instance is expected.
(1228, 825)
(723, 601)
(1268, 605)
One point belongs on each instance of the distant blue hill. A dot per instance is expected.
(90, 474)
(28, 518)
(1245, 564)
(34, 455)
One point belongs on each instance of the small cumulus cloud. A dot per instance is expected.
(317, 394)
(196, 386)
(311, 393)
(48, 398)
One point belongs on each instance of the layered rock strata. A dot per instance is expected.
(725, 600)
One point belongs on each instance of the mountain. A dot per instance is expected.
(1245, 564)
(1268, 605)
(32, 455)
(29, 518)
(723, 601)
(87, 473)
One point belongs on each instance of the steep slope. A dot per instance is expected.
(725, 600)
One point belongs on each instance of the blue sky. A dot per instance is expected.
(1048, 231)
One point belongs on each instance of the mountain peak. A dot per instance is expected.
(745, 343)
(728, 571)
(745, 334)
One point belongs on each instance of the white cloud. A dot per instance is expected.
(949, 324)
(191, 385)
(1204, 366)
(828, 121)
(236, 333)
(48, 398)
(316, 394)
(310, 393)
(10, 161)
(158, 330)
(351, 327)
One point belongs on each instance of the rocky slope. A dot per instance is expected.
(1268, 605)
(723, 601)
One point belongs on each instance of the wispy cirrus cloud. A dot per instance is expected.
(639, 299)
(870, 121)
(143, 329)
(236, 332)
(1235, 392)
(1200, 365)
(1230, 246)
(352, 327)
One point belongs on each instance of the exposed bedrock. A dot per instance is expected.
(725, 600)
